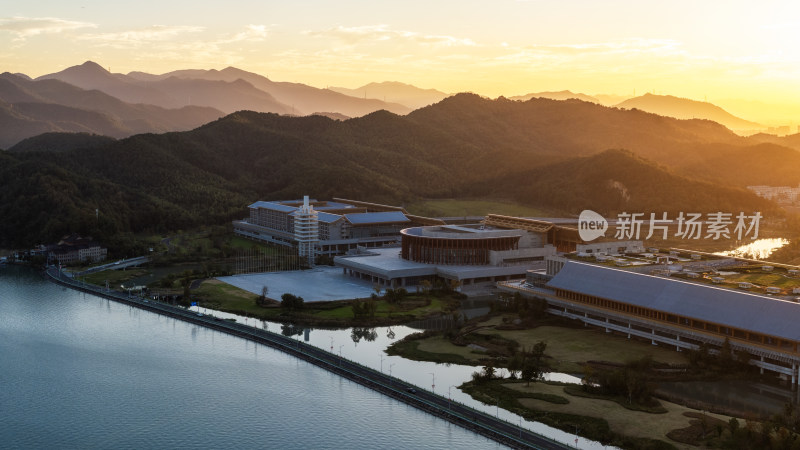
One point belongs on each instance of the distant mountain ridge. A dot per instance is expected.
(50, 105)
(684, 108)
(559, 95)
(301, 98)
(394, 91)
(171, 92)
(227, 90)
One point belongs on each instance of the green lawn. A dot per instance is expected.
(218, 295)
(567, 348)
(570, 346)
(215, 293)
(114, 277)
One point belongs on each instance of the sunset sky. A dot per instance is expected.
(714, 50)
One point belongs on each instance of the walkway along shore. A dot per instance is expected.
(454, 412)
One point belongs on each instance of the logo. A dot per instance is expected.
(591, 225)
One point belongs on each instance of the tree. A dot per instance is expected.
(532, 368)
(515, 364)
(262, 299)
(426, 287)
(454, 285)
(532, 371)
(291, 301)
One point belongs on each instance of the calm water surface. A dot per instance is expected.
(78, 371)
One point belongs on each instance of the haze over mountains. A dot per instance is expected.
(29, 108)
(683, 108)
(663, 105)
(394, 91)
(93, 100)
(562, 156)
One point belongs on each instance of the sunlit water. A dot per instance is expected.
(79, 371)
(759, 249)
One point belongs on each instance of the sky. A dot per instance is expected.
(710, 50)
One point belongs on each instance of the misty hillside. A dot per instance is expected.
(683, 108)
(558, 95)
(302, 99)
(49, 105)
(393, 91)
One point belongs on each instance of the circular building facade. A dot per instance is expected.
(456, 245)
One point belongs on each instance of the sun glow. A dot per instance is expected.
(722, 52)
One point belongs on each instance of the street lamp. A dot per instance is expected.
(381, 362)
(331, 344)
(390, 369)
(449, 397)
(433, 381)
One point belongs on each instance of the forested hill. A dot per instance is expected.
(537, 152)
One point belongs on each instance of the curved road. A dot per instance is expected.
(457, 413)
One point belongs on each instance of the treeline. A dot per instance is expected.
(462, 147)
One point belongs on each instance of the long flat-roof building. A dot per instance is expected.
(674, 312)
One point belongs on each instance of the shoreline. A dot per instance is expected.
(462, 415)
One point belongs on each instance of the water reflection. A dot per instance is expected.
(759, 249)
(367, 346)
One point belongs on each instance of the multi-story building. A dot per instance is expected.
(74, 249)
(327, 227)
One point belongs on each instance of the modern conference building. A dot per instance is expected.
(327, 227)
(499, 248)
(672, 312)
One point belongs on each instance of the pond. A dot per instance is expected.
(759, 249)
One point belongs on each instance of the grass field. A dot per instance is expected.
(570, 346)
(224, 297)
(215, 292)
(567, 348)
(114, 277)
(621, 420)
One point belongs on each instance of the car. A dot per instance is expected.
(411, 390)
(199, 314)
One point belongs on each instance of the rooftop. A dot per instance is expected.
(377, 217)
(765, 315)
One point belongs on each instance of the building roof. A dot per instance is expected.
(765, 315)
(536, 226)
(273, 206)
(377, 217)
(328, 218)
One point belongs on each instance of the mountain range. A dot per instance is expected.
(562, 156)
(559, 95)
(88, 98)
(393, 91)
(30, 107)
(683, 108)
